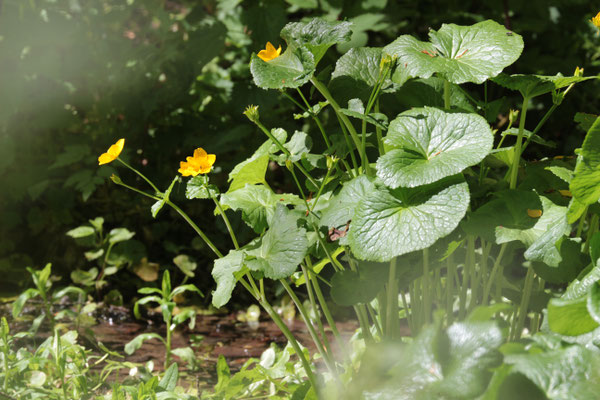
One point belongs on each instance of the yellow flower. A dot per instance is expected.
(596, 20)
(199, 163)
(269, 52)
(112, 153)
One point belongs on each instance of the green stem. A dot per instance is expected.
(226, 220)
(450, 272)
(447, 94)
(357, 142)
(535, 324)
(299, 186)
(407, 312)
(483, 266)
(140, 174)
(317, 120)
(208, 242)
(492, 278)
(425, 281)
(416, 306)
(326, 311)
(379, 133)
(285, 151)
(540, 124)
(546, 116)
(290, 337)
(591, 232)
(499, 284)
(315, 308)
(323, 183)
(138, 191)
(349, 145)
(168, 345)
(524, 303)
(363, 321)
(392, 302)
(382, 308)
(517, 154)
(472, 268)
(308, 110)
(373, 316)
(581, 222)
(311, 329)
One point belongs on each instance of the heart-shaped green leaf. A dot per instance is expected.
(437, 365)
(570, 317)
(253, 169)
(593, 302)
(317, 35)
(357, 72)
(340, 208)
(430, 92)
(545, 247)
(572, 262)
(388, 223)
(278, 252)
(427, 144)
(508, 209)
(226, 272)
(292, 69)
(570, 373)
(532, 86)
(457, 53)
(358, 287)
(550, 226)
(257, 203)
(585, 185)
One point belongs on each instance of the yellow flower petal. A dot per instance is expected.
(596, 20)
(269, 52)
(112, 153)
(199, 163)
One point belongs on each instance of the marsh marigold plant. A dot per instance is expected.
(269, 53)
(199, 163)
(112, 153)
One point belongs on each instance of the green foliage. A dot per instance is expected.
(388, 223)
(426, 145)
(459, 54)
(356, 190)
(111, 251)
(165, 298)
(43, 285)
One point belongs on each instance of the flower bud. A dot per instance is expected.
(116, 179)
(252, 113)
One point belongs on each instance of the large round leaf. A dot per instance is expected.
(459, 53)
(429, 144)
(290, 70)
(357, 72)
(317, 35)
(388, 223)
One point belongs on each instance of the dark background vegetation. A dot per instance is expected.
(170, 76)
